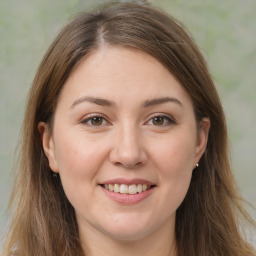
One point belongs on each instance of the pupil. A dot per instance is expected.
(97, 121)
(158, 120)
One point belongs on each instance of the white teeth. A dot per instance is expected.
(110, 187)
(132, 189)
(139, 188)
(116, 188)
(124, 189)
(127, 189)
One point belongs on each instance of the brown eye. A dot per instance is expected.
(96, 121)
(159, 120)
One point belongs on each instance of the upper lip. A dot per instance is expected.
(135, 181)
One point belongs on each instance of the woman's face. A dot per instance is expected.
(124, 123)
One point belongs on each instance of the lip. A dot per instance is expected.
(128, 199)
(135, 181)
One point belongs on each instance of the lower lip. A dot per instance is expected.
(127, 198)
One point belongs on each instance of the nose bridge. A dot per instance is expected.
(128, 147)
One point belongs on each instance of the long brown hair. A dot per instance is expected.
(209, 220)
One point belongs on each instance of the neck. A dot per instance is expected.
(161, 242)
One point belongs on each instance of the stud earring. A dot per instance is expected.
(54, 175)
(197, 165)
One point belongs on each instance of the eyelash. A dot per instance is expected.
(88, 121)
(166, 119)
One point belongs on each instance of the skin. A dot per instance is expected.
(126, 142)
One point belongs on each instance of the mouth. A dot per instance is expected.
(131, 189)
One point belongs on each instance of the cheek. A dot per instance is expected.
(174, 160)
(76, 154)
(78, 160)
(175, 154)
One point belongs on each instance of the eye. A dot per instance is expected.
(94, 121)
(160, 120)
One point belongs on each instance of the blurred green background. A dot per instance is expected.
(224, 30)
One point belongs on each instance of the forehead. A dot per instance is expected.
(121, 74)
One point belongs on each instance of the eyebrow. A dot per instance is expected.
(109, 103)
(157, 101)
(94, 100)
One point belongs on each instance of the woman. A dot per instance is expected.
(124, 148)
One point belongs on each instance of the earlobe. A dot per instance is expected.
(202, 138)
(48, 145)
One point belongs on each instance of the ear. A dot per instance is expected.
(202, 138)
(48, 145)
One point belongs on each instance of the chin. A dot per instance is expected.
(129, 231)
(127, 235)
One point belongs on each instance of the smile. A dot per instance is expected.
(127, 189)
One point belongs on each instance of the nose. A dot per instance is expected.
(128, 148)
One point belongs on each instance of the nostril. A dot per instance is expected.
(117, 163)
(129, 165)
(128, 154)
